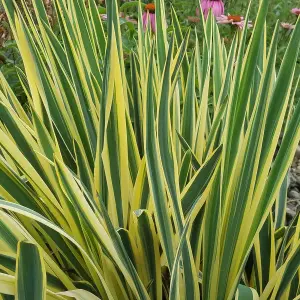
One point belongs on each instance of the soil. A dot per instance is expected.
(293, 200)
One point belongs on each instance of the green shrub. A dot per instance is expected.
(156, 183)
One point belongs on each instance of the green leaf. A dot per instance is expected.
(79, 295)
(246, 293)
(195, 188)
(154, 172)
(129, 5)
(30, 273)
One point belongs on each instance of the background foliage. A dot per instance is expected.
(10, 60)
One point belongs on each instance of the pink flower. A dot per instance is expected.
(295, 11)
(234, 20)
(216, 6)
(287, 26)
(149, 14)
(104, 17)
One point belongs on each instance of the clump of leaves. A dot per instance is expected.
(11, 66)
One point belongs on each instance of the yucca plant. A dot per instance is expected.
(160, 183)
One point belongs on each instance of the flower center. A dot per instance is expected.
(150, 7)
(235, 18)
